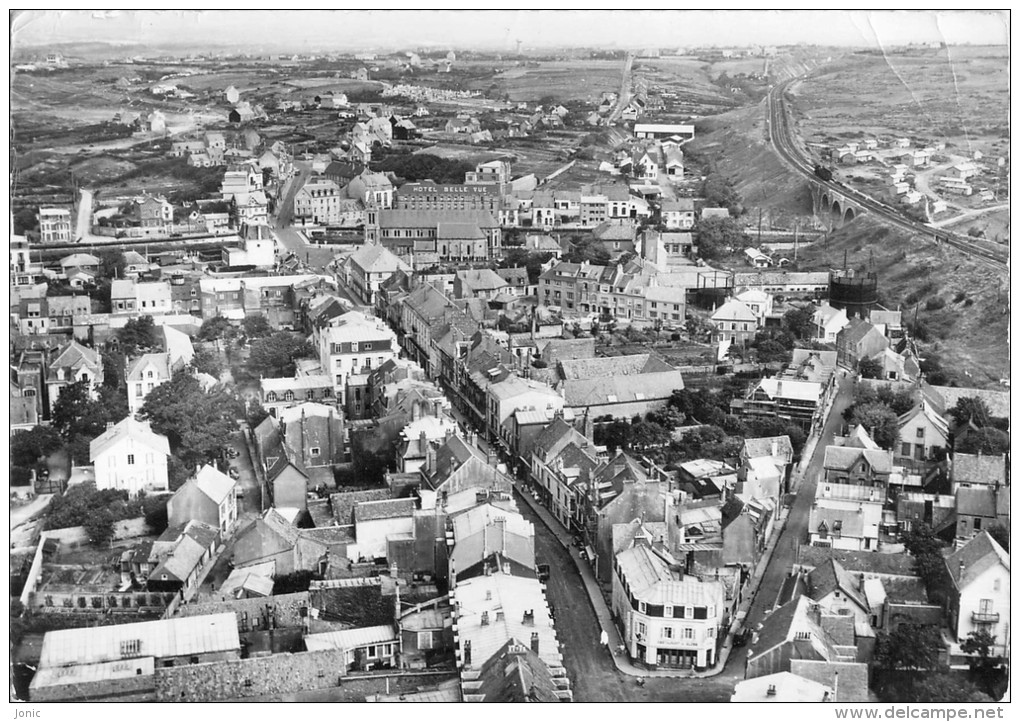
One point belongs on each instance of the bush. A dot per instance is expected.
(962, 295)
(934, 304)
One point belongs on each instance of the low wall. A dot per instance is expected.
(58, 602)
(275, 612)
(237, 679)
(125, 529)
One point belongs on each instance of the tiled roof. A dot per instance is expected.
(343, 503)
(843, 458)
(976, 501)
(857, 562)
(385, 509)
(214, 483)
(377, 259)
(829, 577)
(404, 218)
(590, 368)
(621, 389)
(779, 446)
(516, 674)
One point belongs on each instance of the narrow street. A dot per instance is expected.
(589, 665)
(795, 531)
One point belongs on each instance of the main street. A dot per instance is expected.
(593, 676)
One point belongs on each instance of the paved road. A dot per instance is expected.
(593, 676)
(795, 530)
(782, 141)
(625, 86)
(970, 214)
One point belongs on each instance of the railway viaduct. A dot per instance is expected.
(831, 205)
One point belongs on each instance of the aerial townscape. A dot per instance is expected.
(382, 367)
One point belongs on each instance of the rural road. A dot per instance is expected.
(970, 214)
(625, 86)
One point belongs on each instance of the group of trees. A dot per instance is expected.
(718, 237)
(586, 248)
(721, 436)
(197, 423)
(79, 418)
(533, 261)
(991, 435)
(878, 411)
(418, 167)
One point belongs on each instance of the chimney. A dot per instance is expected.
(771, 692)
(534, 642)
(415, 411)
(485, 618)
(529, 618)
(467, 653)
(423, 441)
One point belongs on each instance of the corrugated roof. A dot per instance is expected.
(163, 638)
(351, 638)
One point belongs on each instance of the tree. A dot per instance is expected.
(909, 647)
(256, 326)
(76, 413)
(99, 526)
(770, 351)
(717, 191)
(971, 408)
(871, 368)
(207, 361)
(138, 335)
(111, 264)
(926, 548)
(880, 421)
(198, 424)
(718, 237)
(216, 327)
(981, 643)
(988, 440)
(947, 688)
(154, 509)
(28, 447)
(800, 322)
(274, 355)
(256, 414)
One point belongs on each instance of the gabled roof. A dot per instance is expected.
(140, 432)
(514, 673)
(73, 355)
(829, 577)
(933, 416)
(734, 310)
(377, 259)
(214, 483)
(779, 446)
(386, 509)
(157, 361)
(974, 558)
(844, 458)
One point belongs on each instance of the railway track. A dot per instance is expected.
(780, 137)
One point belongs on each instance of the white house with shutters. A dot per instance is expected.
(131, 456)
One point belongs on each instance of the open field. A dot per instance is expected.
(564, 80)
(905, 95)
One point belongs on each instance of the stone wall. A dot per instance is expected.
(126, 689)
(53, 601)
(238, 679)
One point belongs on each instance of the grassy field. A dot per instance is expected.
(565, 80)
(960, 97)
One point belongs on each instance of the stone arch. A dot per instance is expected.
(849, 215)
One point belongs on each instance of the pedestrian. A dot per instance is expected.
(604, 639)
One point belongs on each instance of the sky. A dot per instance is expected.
(501, 29)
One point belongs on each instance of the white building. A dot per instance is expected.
(846, 516)
(979, 599)
(130, 456)
(668, 619)
(318, 201)
(55, 225)
(143, 375)
(355, 344)
(828, 322)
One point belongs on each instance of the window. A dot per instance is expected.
(688, 612)
(905, 449)
(667, 611)
(642, 630)
(138, 391)
(688, 632)
(977, 524)
(667, 633)
(315, 451)
(920, 433)
(131, 459)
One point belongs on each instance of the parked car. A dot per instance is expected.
(232, 453)
(234, 473)
(543, 573)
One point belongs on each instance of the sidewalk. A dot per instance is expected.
(598, 602)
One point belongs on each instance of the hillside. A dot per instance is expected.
(969, 333)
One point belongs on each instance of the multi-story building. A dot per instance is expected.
(668, 619)
(369, 267)
(130, 456)
(23, 271)
(55, 225)
(276, 297)
(72, 364)
(129, 297)
(979, 596)
(431, 196)
(494, 172)
(355, 345)
(451, 235)
(278, 394)
(318, 201)
(375, 190)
